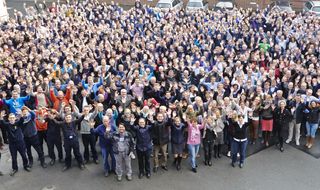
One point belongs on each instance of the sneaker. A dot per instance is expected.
(96, 161)
(194, 170)
(129, 177)
(65, 168)
(229, 154)
(281, 149)
(106, 174)
(297, 143)
(44, 165)
(81, 166)
(52, 162)
(119, 178)
(13, 172)
(141, 175)
(288, 141)
(233, 165)
(241, 165)
(148, 175)
(165, 168)
(238, 155)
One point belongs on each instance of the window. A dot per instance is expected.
(308, 5)
(174, 3)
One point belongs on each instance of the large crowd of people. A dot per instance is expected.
(146, 83)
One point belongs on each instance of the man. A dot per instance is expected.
(16, 142)
(160, 141)
(1, 147)
(16, 103)
(71, 141)
(60, 98)
(105, 144)
(123, 147)
(31, 136)
(87, 137)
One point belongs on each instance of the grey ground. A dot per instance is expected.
(268, 169)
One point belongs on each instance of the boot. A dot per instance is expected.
(311, 140)
(219, 150)
(175, 161)
(308, 141)
(215, 150)
(179, 163)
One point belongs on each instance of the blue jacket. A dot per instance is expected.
(16, 105)
(95, 86)
(143, 135)
(177, 133)
(29, 125)
(101, 131)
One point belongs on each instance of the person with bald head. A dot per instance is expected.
(105, 144)
(60, 98)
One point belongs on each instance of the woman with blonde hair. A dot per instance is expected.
(218, 128)
(267, 119)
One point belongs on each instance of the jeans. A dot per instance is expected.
(193, 152)
(106, 152)
(238, 147)
(311, 129)
(89, 139)
(144, 161)
(294, 126)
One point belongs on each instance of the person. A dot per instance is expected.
(267, 120)
(60, 98)
(312, 113)
(123, 147)
(255, 120)
(16, 103)
(194, 141)
(209, 136)
(71, 141)
(53, 138)
(1, 147)
(105, 144)
(282, 118)
(218, 128)
(160, 139)
(239, 143)
(143, 146)
(31, 137)
(16, 141)
(297, 107)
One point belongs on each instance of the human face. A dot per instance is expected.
(142, 123)
(68, 118)
(160, 117)
(122, 129)
(12, 119)
(15, 95)
(106, 121)
(25, 113)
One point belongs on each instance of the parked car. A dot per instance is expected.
(312, 7)
(170, 4)
(194, 5)
(224, 5)
(281, 5)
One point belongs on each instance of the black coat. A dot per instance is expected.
(160, 133)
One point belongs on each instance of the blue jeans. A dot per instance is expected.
(106, 152)
(238, 147)
(193, 151)
(311, 129)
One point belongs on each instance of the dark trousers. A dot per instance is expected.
(42, 137)
(89, 139)
(4, 135)
(279, 134)
(55, 142)
(144, 161)
(238, 147)
(106, 153)
(72, 145)
(34, 142)
(208, 148)
(14, 149)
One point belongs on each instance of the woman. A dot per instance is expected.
(255, 120)
(312, 114)
(177, 140)
(282, 118)
(209, 136)
(218, 128)
(267, 119)
(239, 143)
(194, 141)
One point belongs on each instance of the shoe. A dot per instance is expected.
(44, 165)
(219, 155)
(297, 143)
(241, 165)
(254, 142)
(229, 154)
(209, 163)
(13, 172)
(112, 171)
(164, 168)
(155, 169)
(96, 161)
(86, 161)
(81, 166)
(28, 169)
(281, 149)
(61, 160)
(178, 167)
(1, 174)
(205, 163)
(267, 144)
(106, 174)
(65, 168)
(148, 175)
(232, 164)
(194, 170)
(30, 163)
(52, 162)
(119, 178)
(288, 141)
(129, 177)
(141, 175)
